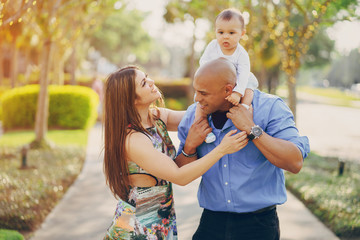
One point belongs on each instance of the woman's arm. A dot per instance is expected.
(171, 118)
(140, 150)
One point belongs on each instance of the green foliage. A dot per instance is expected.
(345, 71)
(6, 234)
(175, 93)
(28, 195)
(70, 107)
(176, 103)
(2, 91)
(172, 90)
(121, 35)
(332, 198)
(59, 137)
(320, 48)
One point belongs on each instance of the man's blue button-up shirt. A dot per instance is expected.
(246, 181)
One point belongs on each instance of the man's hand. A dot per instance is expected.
(197, 134)
(242, 118)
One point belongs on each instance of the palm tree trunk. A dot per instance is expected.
(292, 93)
(190, 93)
(73, 66)
(14, 64)
(1, 64)
(41, 124)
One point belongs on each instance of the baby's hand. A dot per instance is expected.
(234, 98)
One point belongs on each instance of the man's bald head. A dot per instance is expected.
(217, 72)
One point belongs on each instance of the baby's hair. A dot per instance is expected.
(229, 13)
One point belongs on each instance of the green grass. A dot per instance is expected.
(329, 92)
(6, 234)
(330, 96)
(59, 137)
(334, 199)
(28, 195)
(10, 235)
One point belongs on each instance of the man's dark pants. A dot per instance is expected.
(263, 225)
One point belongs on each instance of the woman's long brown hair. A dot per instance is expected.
(120, 113)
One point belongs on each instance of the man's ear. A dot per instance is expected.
(228, 89)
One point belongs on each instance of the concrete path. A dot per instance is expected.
(333, 131)
(87, 208)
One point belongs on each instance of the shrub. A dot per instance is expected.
(171, 90)
(10, 235)
(70, 107)
(176, 104)
(2, 91)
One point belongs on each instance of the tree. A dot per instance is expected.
(320, 49)
(11, 26)
(48, 17)
(192, 11)
(345, 71)
(46, 13)
(292, 24)
(120, 37)
(287, 25)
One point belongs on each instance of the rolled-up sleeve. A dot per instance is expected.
(281, 125)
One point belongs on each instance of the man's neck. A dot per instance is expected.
(219, 119)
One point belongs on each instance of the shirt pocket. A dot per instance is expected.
(252, 157)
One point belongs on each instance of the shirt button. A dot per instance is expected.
(224, 165)
(229, 201)
(226, 183)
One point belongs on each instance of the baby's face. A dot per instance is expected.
(228, 34)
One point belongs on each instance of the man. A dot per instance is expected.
(239, 194)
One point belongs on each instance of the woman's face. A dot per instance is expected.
(146, 91)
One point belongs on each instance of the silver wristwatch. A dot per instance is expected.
(255, 132)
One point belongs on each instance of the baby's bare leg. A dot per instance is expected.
(199, 113)
(248, 97)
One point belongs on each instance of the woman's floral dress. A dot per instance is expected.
(149, 211)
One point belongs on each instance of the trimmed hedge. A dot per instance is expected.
(70, 107)
(173, 90)
(6, 234)
(2, 91)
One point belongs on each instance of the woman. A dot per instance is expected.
(139, 154)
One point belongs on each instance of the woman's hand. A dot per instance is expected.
(233, 142)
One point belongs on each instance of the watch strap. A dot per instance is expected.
(251, 136)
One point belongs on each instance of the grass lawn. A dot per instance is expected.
(59, 137)
(10, 235)
(334, 199)
(331, 96)
(329, 92)
(28, 195)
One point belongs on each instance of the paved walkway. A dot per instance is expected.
(87, 208)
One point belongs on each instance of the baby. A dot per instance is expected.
(230, 28)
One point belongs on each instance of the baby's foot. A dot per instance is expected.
(210, 138)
